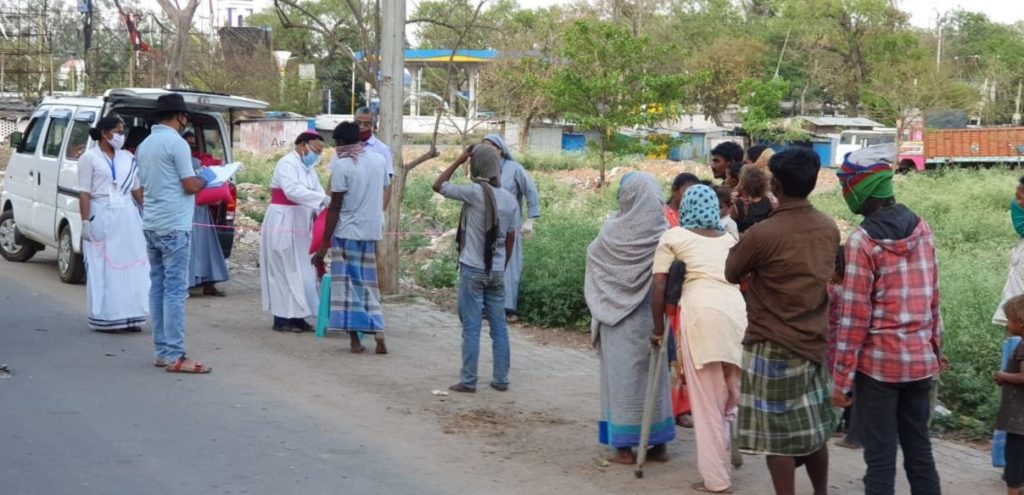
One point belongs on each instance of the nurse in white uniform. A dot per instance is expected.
(116, 263)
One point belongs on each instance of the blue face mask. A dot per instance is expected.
(310, 159)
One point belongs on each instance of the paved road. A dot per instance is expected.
(84, 414)
(87, 413)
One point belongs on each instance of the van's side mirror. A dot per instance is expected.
(16, 138)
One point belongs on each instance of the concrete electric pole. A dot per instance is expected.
(392, 95)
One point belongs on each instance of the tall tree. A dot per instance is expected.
(181, 16)
(519, 82)
(990, 56)
(899, 93)
(723, 64)
(760, 114)
(845, 33)
(605, 83)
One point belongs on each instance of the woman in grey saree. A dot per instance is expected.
(617, 290)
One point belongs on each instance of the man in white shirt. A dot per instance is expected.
(367, 125)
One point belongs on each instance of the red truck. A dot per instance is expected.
(922, 146)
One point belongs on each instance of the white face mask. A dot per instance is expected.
(117, 141)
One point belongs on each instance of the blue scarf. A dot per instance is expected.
(700, 209)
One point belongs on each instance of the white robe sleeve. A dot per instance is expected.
(290, 176)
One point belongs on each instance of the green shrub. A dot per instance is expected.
(554, 260)
(548, 162)
(439, 273)
(572, 160)
(429, 210)
(256, 168)
(258, 216)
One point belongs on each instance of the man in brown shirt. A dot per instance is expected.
(788, 259)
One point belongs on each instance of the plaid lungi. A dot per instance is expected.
(355, 296)
(785, 402)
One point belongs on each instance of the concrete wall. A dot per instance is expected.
(413, 125)
(261, 136)
(542, 139)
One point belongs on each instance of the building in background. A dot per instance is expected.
(215, 14)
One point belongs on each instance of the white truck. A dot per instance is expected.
(39, 204)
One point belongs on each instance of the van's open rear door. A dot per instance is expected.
(143, 98)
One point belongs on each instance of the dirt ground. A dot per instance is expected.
(538, 438)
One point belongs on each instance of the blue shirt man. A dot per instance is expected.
(167, 161)
(169, 186)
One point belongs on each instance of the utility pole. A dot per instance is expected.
(392, 95)
(783, 52)
(1016, 113)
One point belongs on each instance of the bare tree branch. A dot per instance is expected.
(365, 66)
(432, 152)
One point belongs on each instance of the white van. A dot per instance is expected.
(39, 204)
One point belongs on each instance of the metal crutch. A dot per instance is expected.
(657, 361)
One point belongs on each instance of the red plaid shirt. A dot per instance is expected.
(889, 323)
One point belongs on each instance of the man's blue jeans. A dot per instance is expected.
(480, 292)
(169, 253)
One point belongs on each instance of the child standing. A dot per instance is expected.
(1011, 409)
(834, 290)
(752, 204)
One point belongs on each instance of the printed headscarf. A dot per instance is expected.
(618, 274)
(867, 173)
(700, 209)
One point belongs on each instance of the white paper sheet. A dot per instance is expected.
(223, 173)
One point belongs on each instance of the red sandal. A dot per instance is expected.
(185, 365)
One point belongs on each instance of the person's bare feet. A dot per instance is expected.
(623, 455)
(381, 347)
(658, 453)
(355, 346)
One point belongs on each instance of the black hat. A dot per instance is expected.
(346, 133)
(170, 103)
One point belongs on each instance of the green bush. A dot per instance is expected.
(256, 168)
(258, 216)
(439, 273)
(548, 162)
(573, 160)
(554, 260)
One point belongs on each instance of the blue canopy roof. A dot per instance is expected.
(441, 55)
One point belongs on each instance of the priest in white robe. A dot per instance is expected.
(287, 278)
